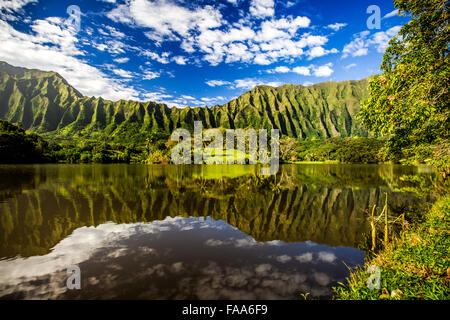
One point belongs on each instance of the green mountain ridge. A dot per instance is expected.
(44, 102)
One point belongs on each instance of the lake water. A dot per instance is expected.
(189, 232)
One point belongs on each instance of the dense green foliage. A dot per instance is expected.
(88, 151)
(345, 150)
(22, 147)
(410, 100)
(17, 146)
(45, 103)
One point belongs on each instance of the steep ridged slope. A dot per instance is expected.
(35, 98)
(322, 110)
(44, 102)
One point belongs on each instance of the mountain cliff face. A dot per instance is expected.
(45, 103)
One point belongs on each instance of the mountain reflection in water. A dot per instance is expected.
(187, 232)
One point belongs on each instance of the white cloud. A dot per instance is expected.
(349, 66)
(327, 256)
(234, 34)
(10, 8)
(202, 101)
(336, 26)
(53, 48)
(157, 96)
(216, 56)
(323, 71)
(318, 71)
(183, 102)
(161, 58)
(179, 60)
(305, 257)
(208, 278)
(282, 28)
(249, 83)
(115, 33)
(391, 14)
(322, 278)
(302, 71)
(122, 73)
(283, 258)
(113, 46)
(52, 31)
(262, 8)
(167, 20)
(263, 268)
(14, 5)
(204, 30)
(282, 48)
(363, 41)
(358, 47)
(381, 39)
(289, 4)
(262, 59)
(233, 2)
(238, 52)
(149, 75)
(121, 60)
(214, 242)
(247, 242)
(312, 40)
(217, 83)
(319, 52)
(76, 248)
(281, 69)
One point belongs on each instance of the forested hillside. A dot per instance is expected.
(45, 103)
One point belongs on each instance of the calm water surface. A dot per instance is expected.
(189, 232)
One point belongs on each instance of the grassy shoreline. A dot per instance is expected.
(416, 265)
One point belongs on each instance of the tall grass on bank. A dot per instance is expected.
(416, 265)
(382, 223)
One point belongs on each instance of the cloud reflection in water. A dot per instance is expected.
(177, 258)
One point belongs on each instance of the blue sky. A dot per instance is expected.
(196, 52)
